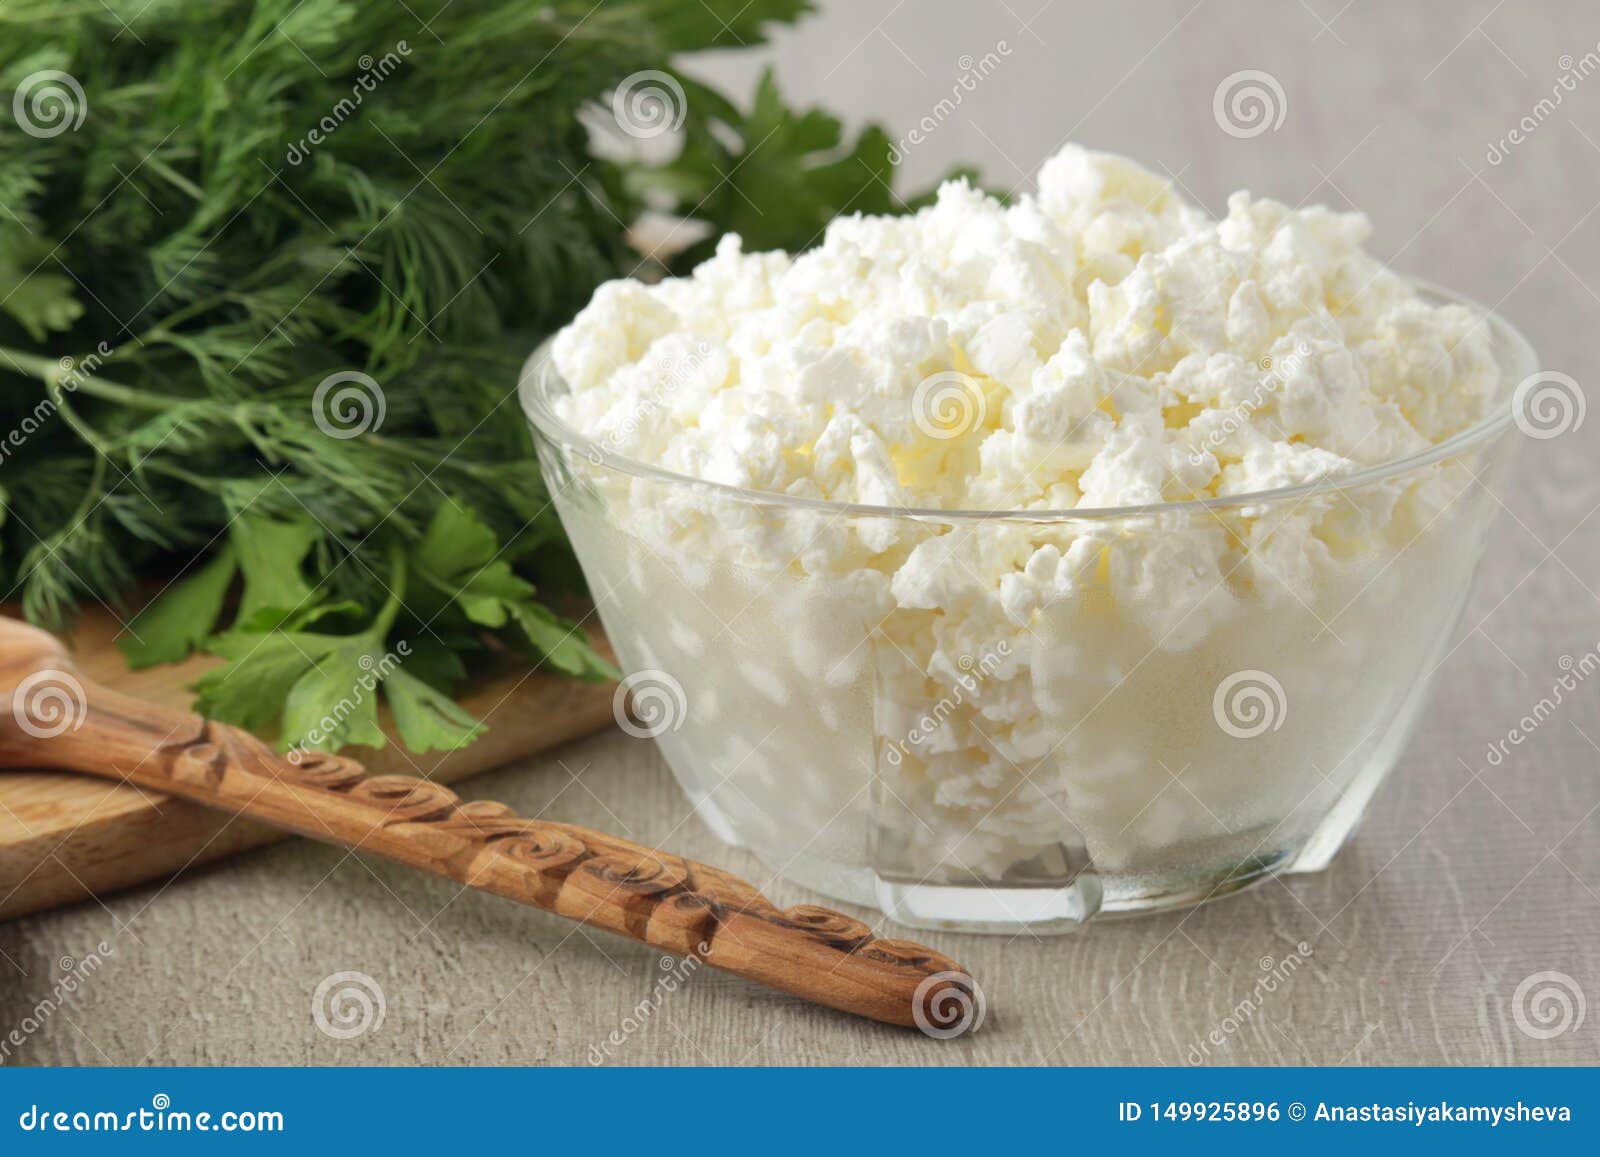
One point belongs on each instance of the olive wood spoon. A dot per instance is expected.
(52, 717)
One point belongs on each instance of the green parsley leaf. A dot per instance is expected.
(335, 703)
(180, 619)
(562, 642)
(43, 302)
(775, 175)
(459, 557)
(249, 690)
(271, 555)
(427, 720)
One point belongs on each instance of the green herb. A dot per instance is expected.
(267, 272)
(733, 161)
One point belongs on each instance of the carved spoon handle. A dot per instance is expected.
(674, 904)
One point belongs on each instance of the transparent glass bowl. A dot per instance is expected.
(1217, 701)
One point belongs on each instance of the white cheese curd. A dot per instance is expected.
(976, 692)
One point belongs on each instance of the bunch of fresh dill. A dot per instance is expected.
(267, 269)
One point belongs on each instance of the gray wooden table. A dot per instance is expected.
(1468, 881)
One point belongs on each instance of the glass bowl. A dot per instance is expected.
(1218, 699)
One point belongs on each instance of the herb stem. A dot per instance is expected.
(31, 365)
(174, 178)
(397, 593)
(161, 466)
(54, 375)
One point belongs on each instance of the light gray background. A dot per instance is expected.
(1466, 880)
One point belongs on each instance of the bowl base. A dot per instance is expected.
(1129, 896)
(990, 909)
(1038, 911)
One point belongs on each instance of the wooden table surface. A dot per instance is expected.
(1469, 881)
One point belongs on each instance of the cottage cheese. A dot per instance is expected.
(1102, 343)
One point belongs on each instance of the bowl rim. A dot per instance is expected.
(1516, 355)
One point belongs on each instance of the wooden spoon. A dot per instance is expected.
(51, 717)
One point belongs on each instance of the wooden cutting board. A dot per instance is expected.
(65, 837)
